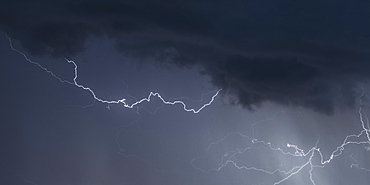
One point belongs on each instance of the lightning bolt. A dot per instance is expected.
(230, 157)
(120, 101)
(134, 106)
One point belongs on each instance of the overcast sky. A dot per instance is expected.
(293, 76)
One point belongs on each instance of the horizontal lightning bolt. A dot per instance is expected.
(120, 101)
(229, 157)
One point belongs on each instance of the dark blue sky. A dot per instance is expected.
(292, 74)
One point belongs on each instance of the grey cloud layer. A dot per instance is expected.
(302, 53)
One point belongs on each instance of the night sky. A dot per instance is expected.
(282, 89)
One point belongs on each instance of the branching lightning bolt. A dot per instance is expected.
(120, 101)
(229, 158)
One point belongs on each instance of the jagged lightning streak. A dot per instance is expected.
(230, 157)
(37, 64)
(120, 101)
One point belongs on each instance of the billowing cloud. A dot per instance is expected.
(300, 53)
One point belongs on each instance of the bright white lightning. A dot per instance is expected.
(229, 158)
(120, 101)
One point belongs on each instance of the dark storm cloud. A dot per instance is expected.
(302, 53)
